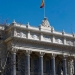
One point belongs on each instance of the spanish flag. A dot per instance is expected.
(42, 5)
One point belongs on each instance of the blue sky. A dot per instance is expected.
(60, 13)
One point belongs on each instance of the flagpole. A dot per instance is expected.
(44, 10)
(43, 6)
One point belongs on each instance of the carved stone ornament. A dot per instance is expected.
(14, 22)
(45, 23)
(63, 32)
(73, 34)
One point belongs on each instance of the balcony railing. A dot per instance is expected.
(42, 37)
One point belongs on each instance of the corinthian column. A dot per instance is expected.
(74, 65)
(13, 62)
(27, 64)
(53, 64)
(64, 66)
(41, 63)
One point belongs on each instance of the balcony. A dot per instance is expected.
(30, 35)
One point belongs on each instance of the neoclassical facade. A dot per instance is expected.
(27, 50)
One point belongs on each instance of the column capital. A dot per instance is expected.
(41, 53)
(14, 50)
(53, 55)
(65, 56)
(28, 52)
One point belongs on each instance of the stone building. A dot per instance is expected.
(27, 50)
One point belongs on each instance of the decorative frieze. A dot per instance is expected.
(58, 40)
(47, 38)
(22, 35)
(18, 34)
(34, 36)
(69, 42)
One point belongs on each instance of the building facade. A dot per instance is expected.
(27, 50)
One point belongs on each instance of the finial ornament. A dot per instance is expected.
(14, 21)
(63, 31)
(52, 29)
(73, 34)
(28, 23)
(45, 23)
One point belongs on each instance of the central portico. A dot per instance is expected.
(39, 51)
